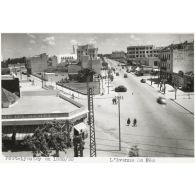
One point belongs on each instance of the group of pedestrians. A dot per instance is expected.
(134, 122)
(114, 100)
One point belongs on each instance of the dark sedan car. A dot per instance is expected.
(120, 88)
(125, 76)
(143, 80)
(161, 100)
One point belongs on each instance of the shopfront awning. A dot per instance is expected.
(81, 127)
(19, 136)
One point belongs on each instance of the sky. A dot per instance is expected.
(29, 44)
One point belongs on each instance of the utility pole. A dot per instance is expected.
(108, 84)
(42, 79)
(91, 118)
(91, 123)
(119, 121)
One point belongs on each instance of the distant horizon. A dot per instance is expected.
(16, 45)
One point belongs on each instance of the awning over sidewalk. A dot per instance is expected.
(19, 136)
(81, 127)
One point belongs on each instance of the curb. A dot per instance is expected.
(182, 106)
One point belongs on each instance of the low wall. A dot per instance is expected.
(70, 92)
(39, 76)
(78, 93)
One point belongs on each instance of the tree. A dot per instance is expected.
(175, 80)
(181, 73)
(85, 74)
(53, 135)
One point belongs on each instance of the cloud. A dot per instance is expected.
(92, 40)
(31, 36)
(32, 41)
(134, 38)
(74, 42)
(49, 40)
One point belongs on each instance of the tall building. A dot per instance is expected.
(118, 54)
(87, 55)
(52, 61)
(37, 63)
(87, 50)
(138, 54)
(177, 58)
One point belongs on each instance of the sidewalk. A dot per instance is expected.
(183, 99)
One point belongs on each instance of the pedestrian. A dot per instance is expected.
(115, 100)
(112, 100)
(128, 121)
(134, 122)
(132, 92)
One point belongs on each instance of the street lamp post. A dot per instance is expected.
(108, 83)
(119, 121)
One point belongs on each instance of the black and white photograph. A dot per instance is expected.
(97, 94)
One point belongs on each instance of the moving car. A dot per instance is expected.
(143, 80)
(161, 100)
(125, 76)
(121, 88)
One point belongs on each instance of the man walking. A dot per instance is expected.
(128, 121)
(134, 122)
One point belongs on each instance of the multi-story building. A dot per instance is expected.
(137, 54)
(86, 50)
(88, 57)
(177, 58)
(52, 61)
(22, 118)
(119, 56)
(37, 63)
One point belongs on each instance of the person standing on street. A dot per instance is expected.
(128, 121)
(134, 122)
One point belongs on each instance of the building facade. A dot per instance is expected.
(118, 54)
(52, 61)
(138, 54)
(37, 63)
(178, 61)
(87, 55)
(87, 50)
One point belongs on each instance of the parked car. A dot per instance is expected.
(125, 76)
(121, 88)
(117, 74)
(161, 100)
(143, 80)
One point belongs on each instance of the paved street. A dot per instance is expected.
(162, 130)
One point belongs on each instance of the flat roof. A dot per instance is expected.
(40, 104)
